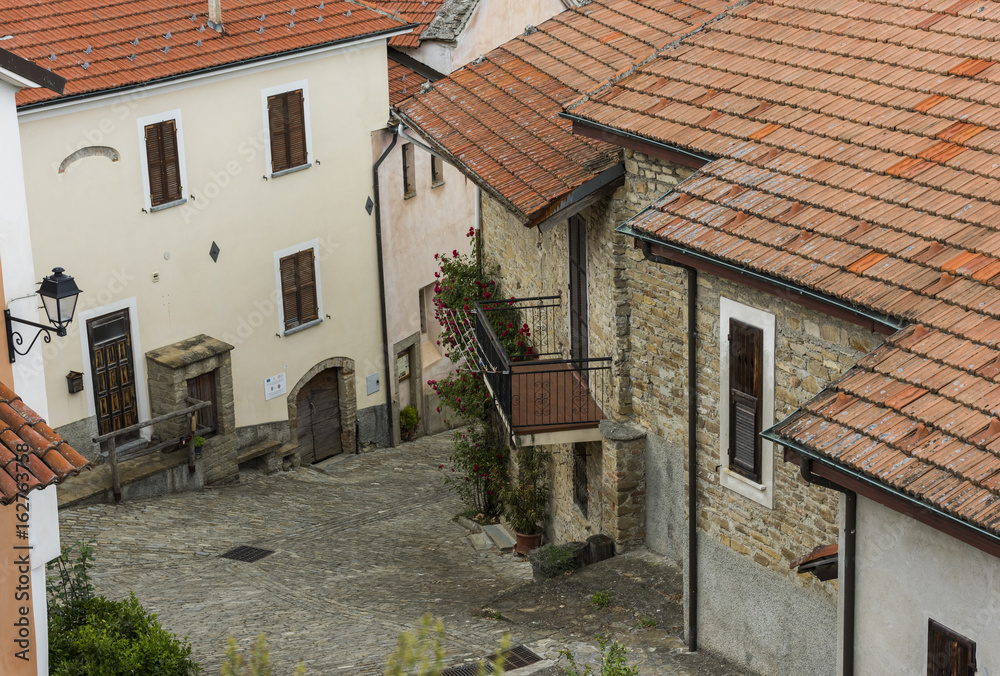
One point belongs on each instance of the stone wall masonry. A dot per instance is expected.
(811, 350)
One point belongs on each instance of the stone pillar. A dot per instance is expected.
(623, 484)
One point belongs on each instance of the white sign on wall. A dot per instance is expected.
(274, 386)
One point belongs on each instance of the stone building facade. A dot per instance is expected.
(753, 608)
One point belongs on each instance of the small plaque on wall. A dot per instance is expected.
(372, 381)
(274, 386)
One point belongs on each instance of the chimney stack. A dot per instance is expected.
(215, 15)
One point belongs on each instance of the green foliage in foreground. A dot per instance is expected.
(259, 663)
(421, 652)
(613, 662)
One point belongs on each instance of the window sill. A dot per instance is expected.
(303, 327)
(291, 170)
(739, 477)
(161, 207)
(409, 195)
(436, 184)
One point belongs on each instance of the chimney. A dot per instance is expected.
(215, 15)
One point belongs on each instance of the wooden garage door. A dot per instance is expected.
(318, 412)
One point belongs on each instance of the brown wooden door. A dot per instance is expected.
(113, 370)
(578, 324)
(202, 388)
(318, 414)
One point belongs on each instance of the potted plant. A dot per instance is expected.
(198, 443)
(526, 500)
(408, 421)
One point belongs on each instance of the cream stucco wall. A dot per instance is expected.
(90, 220)
(493, 22)
(907, 573)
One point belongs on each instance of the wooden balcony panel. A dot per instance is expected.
(553, 397)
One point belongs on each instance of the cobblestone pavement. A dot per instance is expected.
(364, 545)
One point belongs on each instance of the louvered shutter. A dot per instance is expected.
(296, 130)
(290, 291)
(163, 163)
(308, 310)
(277, 130)
(948, 653)
(746, 357)
(154, 163)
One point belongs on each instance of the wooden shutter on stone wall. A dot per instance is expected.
(298, 288)
(287, 130)
(163, 163)
(746, 362)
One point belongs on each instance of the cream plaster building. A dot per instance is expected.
(212, 206)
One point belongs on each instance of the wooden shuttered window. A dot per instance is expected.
(746, 362)
(298, 289)
(163, 163)
(948, 653)
(287, 130)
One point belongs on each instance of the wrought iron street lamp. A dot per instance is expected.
(59, 293)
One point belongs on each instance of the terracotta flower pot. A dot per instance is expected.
(525, 543)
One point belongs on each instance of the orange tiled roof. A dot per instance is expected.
(403, 81)
(94, 42)
(498, 119)
(419, 12)
(856, 145)
(49, 458)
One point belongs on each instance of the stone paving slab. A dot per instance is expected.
(363, 546)
(503, 540)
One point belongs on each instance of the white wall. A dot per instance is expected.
(90, 220)
(908, 572)
(18, 266)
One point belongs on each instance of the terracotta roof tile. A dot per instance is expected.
(498, 119)
(24, 436)
(403, 81)
(115, 44)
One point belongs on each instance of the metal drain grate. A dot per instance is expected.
(248, 554)
(517, 657)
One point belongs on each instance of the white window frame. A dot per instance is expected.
(278, 255)
(144, 122)
(762, 492)
(281, 89)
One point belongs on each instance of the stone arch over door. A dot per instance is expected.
(339, 370)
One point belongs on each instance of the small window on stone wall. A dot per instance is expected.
(581, 491)
(203, 388)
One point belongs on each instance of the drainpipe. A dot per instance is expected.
(692, 502)
(846, 558)
(381, 283)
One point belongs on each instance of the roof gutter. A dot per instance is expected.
(817, 459)
(874, 318)
(74, 98)
(607, 133)
(581, 197)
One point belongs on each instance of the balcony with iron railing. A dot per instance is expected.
(543, 395)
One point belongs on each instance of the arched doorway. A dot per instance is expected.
(322, 410)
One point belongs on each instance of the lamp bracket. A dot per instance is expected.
(16, 340)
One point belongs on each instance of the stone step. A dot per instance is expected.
(480, 541)
(501, 537)
(257, 450)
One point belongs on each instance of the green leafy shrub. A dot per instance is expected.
(526, 497)
(101, 637)
(551, 560)
(408, 419)
(613, 661)
(259, 663)
(90, 635)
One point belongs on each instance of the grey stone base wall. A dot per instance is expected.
(666, 498)
(80, 435)
(751, 616)
(249, 435)
(373, 424)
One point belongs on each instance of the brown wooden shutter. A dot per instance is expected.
(289, 291)
(287, 130)
(163, 163)
(308, 309)
(949, 653)
(579, 321)
(746, 362)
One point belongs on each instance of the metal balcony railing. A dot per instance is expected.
(535, 386)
